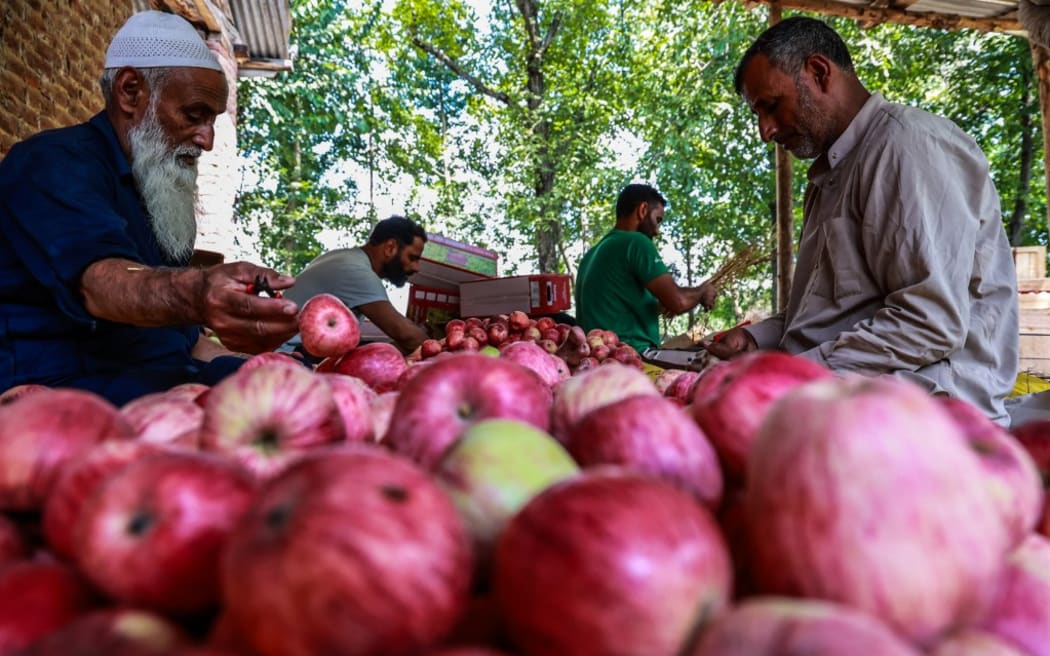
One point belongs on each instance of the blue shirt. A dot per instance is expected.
(67, 200)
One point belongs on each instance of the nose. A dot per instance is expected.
(204, 136)
(767, 128)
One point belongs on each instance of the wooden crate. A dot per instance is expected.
(1035, 340)
(1030, 262)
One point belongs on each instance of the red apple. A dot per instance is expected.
(264, 416)
(493, 470)
(548, 346)
(545, 323)
(12, 543)
(610, 562)
(589, 390)
(455, 325)
(862, 485)
(78, 481)
(350, 552)
(190, 391)
(534, 357)
(681, 389)
(467, 651)
(497, 333)
(770, 626)
(353, 397)
(161, 418)
(586, 364)
(974, 642)
(43, 431)
(480, 335)
(732, 398)
(518, 321)
(327, 327)
(1020, 613)
(270, 357)
(1012, 477)
(114, 632)
(378, 364)
(37, 597)
(429, 348)
(382, 409)
(449, 395)
(1034, 436)
(152, 535)
(653, 436)
(455, 342)
(12, 394)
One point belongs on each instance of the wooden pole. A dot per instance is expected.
(785, 222)
(1041, 64)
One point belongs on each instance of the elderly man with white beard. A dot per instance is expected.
(98, 225)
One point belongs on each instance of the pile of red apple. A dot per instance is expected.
(485, 504)
(579, 350)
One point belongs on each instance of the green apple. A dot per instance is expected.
(495, 468)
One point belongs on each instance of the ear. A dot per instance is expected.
(642, 211)
(390, 248)
(130, 91)
(821, 70)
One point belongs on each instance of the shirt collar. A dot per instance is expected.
(855, 130)
(101, 122)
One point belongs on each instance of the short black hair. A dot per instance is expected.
(634, 195)
(397, 227)
(788, 43)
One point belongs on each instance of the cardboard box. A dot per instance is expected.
(542, 293)
(446, 263)
(427, 305)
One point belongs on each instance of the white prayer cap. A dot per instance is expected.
(155, 39)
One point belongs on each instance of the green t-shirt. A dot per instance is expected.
(610, 288)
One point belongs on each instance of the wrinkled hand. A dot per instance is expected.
(708, 294)
(243, 321)
(731, 343)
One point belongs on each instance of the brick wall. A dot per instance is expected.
(51, 54)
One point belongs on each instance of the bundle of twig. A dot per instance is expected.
(738, 264)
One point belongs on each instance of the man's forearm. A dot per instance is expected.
(128, 292)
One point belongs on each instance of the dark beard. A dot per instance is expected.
(394, 272)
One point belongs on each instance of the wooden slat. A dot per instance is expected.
(872, 15)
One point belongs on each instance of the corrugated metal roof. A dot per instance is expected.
(265, 27)
(988, 15)
(258, 29)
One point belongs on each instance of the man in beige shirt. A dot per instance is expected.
(903, 264)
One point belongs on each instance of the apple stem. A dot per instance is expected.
(140, 523)
(394, 493)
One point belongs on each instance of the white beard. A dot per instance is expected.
(168, 187)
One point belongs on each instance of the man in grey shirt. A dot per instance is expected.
(903, 264)
(356, 275)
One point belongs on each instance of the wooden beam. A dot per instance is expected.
(1041, 64)
(897, 13)
(785, 221)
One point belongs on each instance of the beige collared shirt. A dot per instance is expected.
(903, 264)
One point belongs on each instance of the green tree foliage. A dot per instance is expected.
(514, 124)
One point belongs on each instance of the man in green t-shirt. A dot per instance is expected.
(623, 285)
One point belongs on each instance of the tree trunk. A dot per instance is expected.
(1024, 183)
(1041, 64)
(548, 230)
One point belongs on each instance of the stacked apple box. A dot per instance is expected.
(535, 294)
(434, 295)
